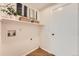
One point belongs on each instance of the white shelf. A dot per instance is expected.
(14, 20)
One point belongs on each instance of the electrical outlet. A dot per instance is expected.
(31, 39)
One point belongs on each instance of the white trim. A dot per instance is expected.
(46, 50)
(26, 53)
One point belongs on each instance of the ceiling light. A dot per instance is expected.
(61, 8)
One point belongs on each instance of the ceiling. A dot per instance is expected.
(40, 6)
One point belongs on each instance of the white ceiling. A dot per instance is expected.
(40, 6)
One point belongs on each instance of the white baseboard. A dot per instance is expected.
(26, 53)
(47, 50)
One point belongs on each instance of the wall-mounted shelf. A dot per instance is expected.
(14, 20)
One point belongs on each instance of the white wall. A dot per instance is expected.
(0, 38)
(78, 32)
(21, 43)
(64, 25)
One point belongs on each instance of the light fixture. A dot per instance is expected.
(60, 9)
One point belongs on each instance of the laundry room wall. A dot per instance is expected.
(0, 38)
(63, 23)
(26, 39)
